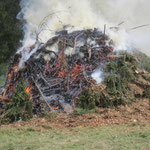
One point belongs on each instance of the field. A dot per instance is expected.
(121, 137)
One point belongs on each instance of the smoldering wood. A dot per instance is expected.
(60, 78)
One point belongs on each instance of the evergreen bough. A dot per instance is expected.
(118, 73)
(20, 107)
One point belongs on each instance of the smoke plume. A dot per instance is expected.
(83, 14)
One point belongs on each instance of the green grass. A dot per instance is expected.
(131, 137)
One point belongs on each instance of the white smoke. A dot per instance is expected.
(97, 75)
(45, 17)
(87, 14)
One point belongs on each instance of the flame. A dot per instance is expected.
(55, 108)
(10, 76)
(13, 72)
(28, 91)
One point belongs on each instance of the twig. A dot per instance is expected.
(120, 23)
(2, 98)
(139, 27)
(89, 54)
(45, 18)
(75, 42)
(50, 86)
(85, 74)
(41, 93)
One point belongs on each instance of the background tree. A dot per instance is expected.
(10, 31)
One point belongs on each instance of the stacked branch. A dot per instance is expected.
(58, 72)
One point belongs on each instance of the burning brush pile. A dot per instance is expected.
(63, 72)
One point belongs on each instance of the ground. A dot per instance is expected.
(118, 137)
(121, 128)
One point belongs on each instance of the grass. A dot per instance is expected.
(124, 137)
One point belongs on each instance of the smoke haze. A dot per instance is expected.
(84, 14)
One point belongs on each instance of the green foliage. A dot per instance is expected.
(144, 61)
(10, 30)
(20, 106)
(2, 80)
(88, 99)
(94, 97)
(3, 68)
(118, 73)
(114, 83)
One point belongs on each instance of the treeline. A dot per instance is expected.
(10, 31)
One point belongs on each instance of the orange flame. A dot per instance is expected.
(10, 76)
(55, 108)
(13, 72)
(28, 91)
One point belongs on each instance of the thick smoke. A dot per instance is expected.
(83, 14)
(42, 18)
